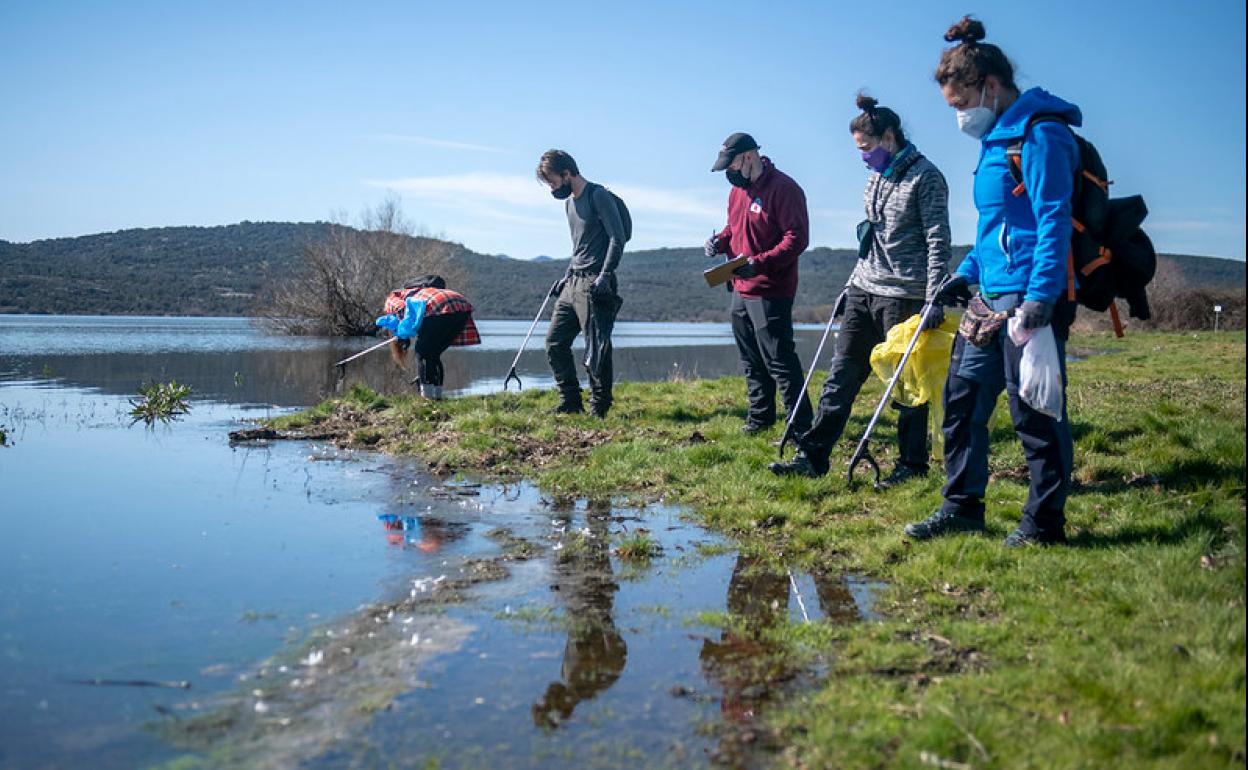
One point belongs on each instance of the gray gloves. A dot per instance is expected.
(935, 318)
(838, 307)
(601, 287)
(746, 271)
(956, 292)
(711, 247)
(1035, 314)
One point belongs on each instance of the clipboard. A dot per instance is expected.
(723, 273)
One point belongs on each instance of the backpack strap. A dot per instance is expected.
(1014, 151)
(593, 203)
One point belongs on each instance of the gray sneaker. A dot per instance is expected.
(942, 523)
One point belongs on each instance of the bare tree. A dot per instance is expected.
(343, 279)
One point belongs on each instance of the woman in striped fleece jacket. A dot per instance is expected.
(903, 256)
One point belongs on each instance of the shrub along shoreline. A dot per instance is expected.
(1125, 647)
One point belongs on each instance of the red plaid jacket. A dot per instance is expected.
(437, 302)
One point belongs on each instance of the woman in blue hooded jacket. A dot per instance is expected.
(1019, 262)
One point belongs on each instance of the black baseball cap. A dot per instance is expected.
(733, 146)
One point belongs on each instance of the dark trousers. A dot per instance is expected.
(763, 329)
(866, 322)
(976, 378)
(432, 340)
(576, 312)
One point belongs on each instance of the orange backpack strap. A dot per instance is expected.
(1070, 274)
(1104, 256)
(1113, 315)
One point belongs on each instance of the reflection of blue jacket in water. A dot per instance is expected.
(1022, 241)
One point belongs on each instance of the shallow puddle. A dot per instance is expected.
(547, 648)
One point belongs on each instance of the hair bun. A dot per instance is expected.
(866, 103)
(967, 30)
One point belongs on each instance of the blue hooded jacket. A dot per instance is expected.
(1022, 241)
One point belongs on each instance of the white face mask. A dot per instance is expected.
(976, 121)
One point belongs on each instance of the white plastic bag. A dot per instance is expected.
(1040, 371)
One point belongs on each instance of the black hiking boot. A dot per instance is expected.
(800, 465)
(568, 408)
(599, 410)
(901, 474)
(942, 523)
(1020, 539)
(751, 428)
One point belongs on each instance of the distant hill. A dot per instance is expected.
(220, 270)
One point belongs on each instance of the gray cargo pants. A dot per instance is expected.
(576, 312)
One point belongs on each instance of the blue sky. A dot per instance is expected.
(133, 114)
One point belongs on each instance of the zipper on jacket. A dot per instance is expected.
(1003, 239)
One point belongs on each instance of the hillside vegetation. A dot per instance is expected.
(218, 271)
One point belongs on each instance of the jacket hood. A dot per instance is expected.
(1034, 101)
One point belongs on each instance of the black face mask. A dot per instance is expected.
(737, 179)
(562, 192)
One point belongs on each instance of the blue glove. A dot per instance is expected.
(412, 318)
(746, 271)
(1036, 315)
(711, 248)
(956, 292)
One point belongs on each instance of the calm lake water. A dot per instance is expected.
(134, 558)
(232, 360)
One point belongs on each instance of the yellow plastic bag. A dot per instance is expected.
(923, 379)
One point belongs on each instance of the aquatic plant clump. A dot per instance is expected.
(160, 401)
(638, 547)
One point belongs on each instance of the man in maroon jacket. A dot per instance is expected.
(767, 222)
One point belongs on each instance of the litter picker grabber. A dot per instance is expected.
(837, 308)
(863, 452)
(511, 374)
(379, 345)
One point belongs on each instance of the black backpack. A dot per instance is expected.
(625, 217)
(430, 281)
(1110, 256)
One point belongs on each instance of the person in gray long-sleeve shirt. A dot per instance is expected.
(903, 258)
(588, 296)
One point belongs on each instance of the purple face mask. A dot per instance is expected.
(878, 159)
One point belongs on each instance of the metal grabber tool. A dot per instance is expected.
(837, 309)
(863, 452)
(511, 374)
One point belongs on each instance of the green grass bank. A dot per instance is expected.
(1123, 649)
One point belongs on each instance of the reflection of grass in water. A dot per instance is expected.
(534, 616)
(164, 401)
(4, 436)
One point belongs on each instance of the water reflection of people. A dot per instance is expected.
(746, 662)
(595, 653)
(425, 533)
